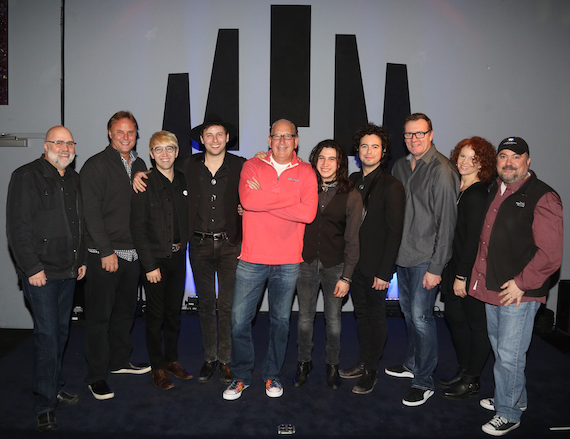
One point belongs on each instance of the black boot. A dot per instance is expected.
(366, 382)
(303, 371)
(333, 378)
(467, 386)
(454, 379)
(353, 372)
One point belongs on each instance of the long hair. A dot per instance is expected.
(344, 184)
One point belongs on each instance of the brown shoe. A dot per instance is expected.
(226, 375)
(161, 380)
(178, 371)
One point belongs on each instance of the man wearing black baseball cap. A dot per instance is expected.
(519, 249)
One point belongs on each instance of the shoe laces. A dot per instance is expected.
(272, 383)
(498, 421)
(236, 385)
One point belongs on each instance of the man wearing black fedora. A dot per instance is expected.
(215, 233)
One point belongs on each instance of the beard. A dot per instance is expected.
(62, 160)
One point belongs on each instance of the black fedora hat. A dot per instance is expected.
(213, 119)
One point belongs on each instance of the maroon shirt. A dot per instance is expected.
(547, 232)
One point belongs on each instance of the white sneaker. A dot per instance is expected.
(273, 388)
(234, 390)
(416, 397)
(489, 404)
(499, 426)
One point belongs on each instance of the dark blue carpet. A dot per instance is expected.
(191, 409)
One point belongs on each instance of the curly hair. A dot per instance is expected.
(369, 129)
(485, 155)
(344, 184)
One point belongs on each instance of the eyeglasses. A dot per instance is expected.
(286, 136)
(419, 135)
(169, 149)
(61, 143)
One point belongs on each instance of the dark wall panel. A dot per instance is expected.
(177, 110)
(349, 101)
(223, 96)
(290, 63)
(396, 108)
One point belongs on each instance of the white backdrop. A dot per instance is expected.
(486, 68)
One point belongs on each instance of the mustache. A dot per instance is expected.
(512, 168)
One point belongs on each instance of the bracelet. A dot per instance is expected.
(461, 278)
(346, 279)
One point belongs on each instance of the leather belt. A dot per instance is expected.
(214, 236)
(176, 247)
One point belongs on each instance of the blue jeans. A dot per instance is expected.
(311, 277)
(51, 312)
(510, 333)
(417, 305)
(249, 289)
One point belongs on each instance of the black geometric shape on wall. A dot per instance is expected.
(177, 110)
(349, 101)
(223, 95)
(290, 63)
(396, 108)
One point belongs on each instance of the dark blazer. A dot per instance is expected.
(191, 165)
(152, 214)
(107, 191)
(381, 230)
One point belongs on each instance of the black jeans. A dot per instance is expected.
(110, 304)
(163, 304)
(468, 324)
(208, 258)
(370, 311)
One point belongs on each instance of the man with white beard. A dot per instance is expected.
(45, 234)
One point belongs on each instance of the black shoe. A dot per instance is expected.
(46, 422)
(353, 372)
(333, 377)
(366, 382)
(454, 379)
(134, 368)
(65, 398)
(101, 390)
(226, 376)
(208, 369)
(416, 397)
(303, 371)
(467, 386)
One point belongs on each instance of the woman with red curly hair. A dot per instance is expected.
(475, 159)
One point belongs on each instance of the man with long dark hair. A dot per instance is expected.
(330, 253)
(380, 234)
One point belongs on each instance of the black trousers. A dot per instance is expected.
(110, 304)
(163, 304)
(209, 258)
(468, 324)
(370, 311)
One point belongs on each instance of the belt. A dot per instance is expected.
(176, 247)
(214, 236)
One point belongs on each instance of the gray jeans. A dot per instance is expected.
(311, 276)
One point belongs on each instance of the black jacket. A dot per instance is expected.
(152, 214)
(37, 225)
(191, 165)
(107, 192)
(381, 230)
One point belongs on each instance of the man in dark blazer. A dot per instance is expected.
(380, 233)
